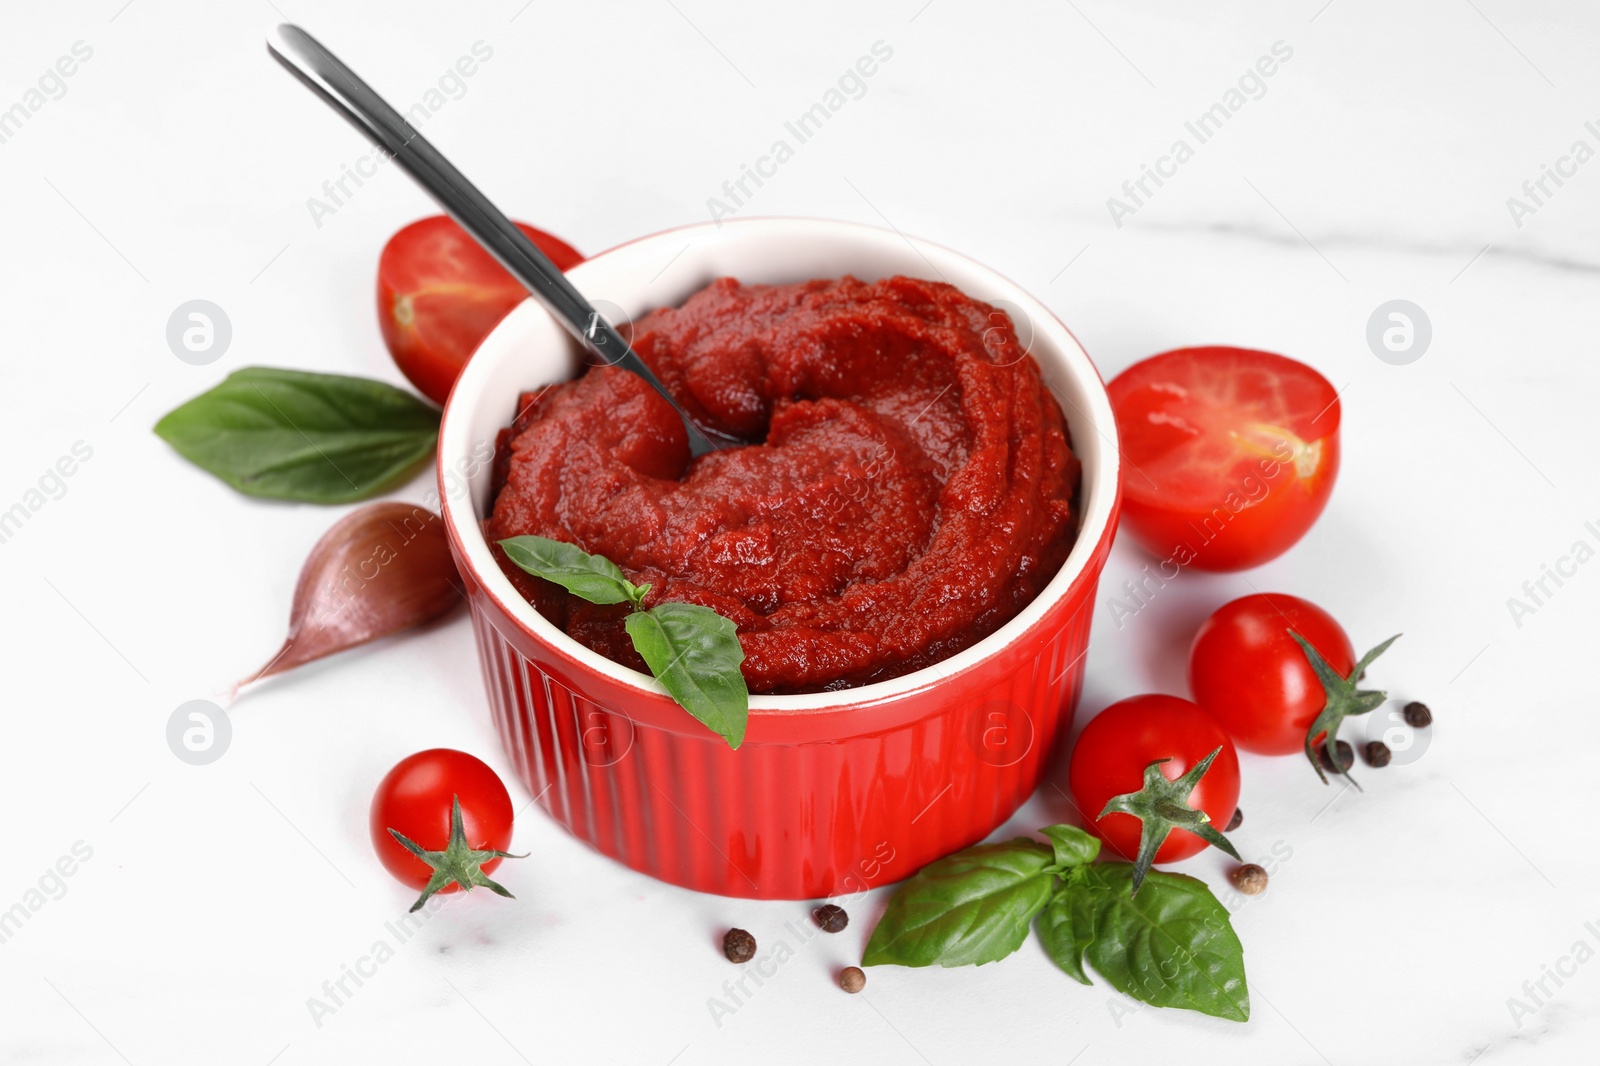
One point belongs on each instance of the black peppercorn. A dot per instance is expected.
(831, 918)
(1377, 753)
(1249, 879)
(1236, 821)
(1417, 715)
(1347, 757)
(739, 946)
(852, 980)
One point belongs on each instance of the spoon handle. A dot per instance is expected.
(323, 72)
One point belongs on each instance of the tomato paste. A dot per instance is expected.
(913, 487)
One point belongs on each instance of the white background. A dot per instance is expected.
(178, 165)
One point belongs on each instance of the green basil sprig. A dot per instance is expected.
(966, 909)
(592, 577)
(692, 650)
(293, 435)
(1171, 946)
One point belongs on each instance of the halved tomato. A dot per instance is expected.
(439, 295)
(1229, 454)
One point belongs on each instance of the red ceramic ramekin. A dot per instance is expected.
(831, 793)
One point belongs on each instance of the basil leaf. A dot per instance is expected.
(292, 435)
(1065, 928)
(966, 909)
(1073, 846)
(593, 577)
(1171, 946)
(695, 653)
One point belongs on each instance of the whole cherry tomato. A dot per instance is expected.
(1229, 454)
(1121, 741)
(439, 295)
(416, 798)
(1250, 675)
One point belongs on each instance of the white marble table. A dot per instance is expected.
(207, 905)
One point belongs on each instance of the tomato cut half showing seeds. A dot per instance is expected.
(1229, 454)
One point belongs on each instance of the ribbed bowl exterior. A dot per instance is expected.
(813, 804)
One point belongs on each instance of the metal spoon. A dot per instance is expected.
(353, 98)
